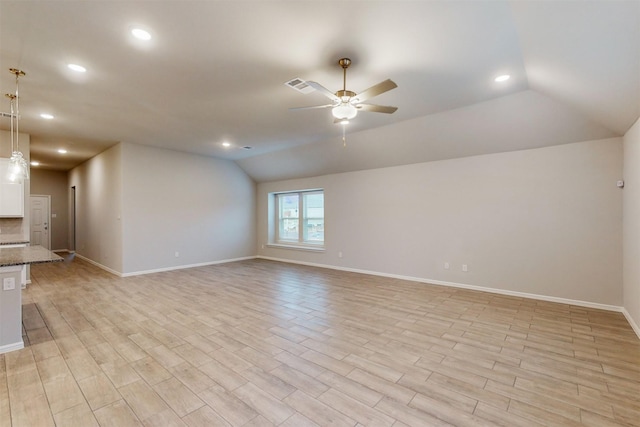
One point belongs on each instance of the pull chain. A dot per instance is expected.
(344, 135)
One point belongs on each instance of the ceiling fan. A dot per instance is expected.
(345, 104)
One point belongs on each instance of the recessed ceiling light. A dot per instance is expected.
(62, 151)
(34, 163)
(502, 78)
(141, 34)
(46, 116)
(226, 144)
(76, 67)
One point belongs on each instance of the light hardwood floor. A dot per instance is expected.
(260, 343)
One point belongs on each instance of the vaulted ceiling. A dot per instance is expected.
(214, 72)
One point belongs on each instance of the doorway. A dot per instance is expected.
(40, 222)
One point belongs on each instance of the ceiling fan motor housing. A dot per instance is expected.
(345, 95)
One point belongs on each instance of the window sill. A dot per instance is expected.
(296, 247)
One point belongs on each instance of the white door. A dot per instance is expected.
(40, 220)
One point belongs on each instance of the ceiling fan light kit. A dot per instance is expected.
(346, 103)
(344, 111)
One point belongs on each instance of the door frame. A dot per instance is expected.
(48, 197)
(72, 231)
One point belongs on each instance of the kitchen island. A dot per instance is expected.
(15, 241)
(13, 261)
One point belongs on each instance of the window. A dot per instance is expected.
(300, 217)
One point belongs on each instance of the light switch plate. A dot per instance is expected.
(8, 283)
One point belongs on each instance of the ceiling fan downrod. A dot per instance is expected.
(345, 94)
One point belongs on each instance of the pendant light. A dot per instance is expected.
(18, 168)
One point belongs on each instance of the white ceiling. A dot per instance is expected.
(214, 71)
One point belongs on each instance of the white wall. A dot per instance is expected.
(201, 207)
(545, 221)
(631, 209)
(98, 183)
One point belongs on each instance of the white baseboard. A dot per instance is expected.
(100, 266)
(12, 347)
(160, 270)
(632, 322)
(578, 303)
(182, 267)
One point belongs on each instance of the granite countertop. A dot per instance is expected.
(12, 239)
(27, 255)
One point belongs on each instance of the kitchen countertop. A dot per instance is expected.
(27, 255)
(12, 239)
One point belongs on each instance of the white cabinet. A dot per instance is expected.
(11, 194)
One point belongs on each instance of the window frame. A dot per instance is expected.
(300, 243)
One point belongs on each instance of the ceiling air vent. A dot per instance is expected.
(299, 85)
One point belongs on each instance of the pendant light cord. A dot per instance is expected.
(17, 100)
(11, 119)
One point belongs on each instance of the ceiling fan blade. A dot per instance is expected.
(312, 107)
(326, 92)
(377, 108)
(375, 90)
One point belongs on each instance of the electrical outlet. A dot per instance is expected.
(465, 268)
(340, 254)
(8, 283)
(177, 254)
(446, 266)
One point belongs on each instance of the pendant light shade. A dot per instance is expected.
(18, 168)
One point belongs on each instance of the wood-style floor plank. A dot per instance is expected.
(262, 343)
